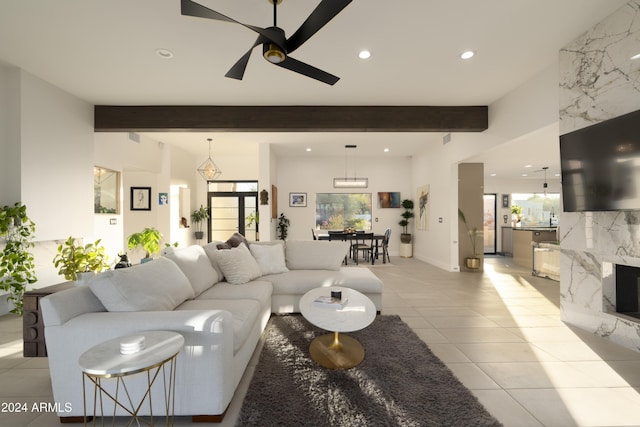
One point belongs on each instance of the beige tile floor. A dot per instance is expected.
(499, 332)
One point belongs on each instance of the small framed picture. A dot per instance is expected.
(505, 200)
(298, 199)
(140, 198)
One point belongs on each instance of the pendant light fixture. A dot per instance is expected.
(545, 185)
(347, 182)
(208, 169)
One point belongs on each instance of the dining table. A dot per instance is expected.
(352, 237)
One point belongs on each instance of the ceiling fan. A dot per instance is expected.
(275, 46)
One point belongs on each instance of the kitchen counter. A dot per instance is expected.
(522, 239)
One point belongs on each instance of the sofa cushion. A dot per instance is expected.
(270, 258)
(259, 290)
(154, 285)
(298, 282)
(238, 265)
(195, 264)
(315, 254)
(245, 313)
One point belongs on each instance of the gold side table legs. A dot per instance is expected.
(335, 351)
(166, 370)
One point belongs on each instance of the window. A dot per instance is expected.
(538, 209)
(337, 211)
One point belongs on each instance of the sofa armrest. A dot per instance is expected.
(207, 352)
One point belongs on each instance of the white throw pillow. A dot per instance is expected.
(315, 254)
(155, 285)
(238, 265)
(211, 249)
(195, 264)
(270, 258)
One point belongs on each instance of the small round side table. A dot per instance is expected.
(156, 359)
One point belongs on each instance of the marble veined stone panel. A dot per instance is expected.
(598, 80)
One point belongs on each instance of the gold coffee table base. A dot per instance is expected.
(335, 351)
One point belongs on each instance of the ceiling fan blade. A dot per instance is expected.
(322, 14)
(237, 71)
(191, 8)
(308, 70)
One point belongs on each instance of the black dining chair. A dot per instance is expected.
(385, 246)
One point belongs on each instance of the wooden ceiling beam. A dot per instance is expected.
(290, 118)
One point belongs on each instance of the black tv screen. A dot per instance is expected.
(600, 166)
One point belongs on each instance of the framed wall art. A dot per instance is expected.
(298, 200)
(140, 198)
(388, 199)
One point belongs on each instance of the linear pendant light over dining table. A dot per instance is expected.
(208, 169)
(347, 182)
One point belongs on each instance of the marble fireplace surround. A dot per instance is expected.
(598, 81)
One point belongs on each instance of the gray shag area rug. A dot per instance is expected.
(399, 383)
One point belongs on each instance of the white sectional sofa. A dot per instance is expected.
(219, 297)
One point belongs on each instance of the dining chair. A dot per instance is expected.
(313, 233)
(385, 246)
(361, 245)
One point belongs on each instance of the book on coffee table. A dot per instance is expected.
(330, 301)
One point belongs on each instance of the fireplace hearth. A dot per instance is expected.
(628, 290)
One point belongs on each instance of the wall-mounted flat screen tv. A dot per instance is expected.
(601, 166)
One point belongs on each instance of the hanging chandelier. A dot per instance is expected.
(347, 182)
(208, 169)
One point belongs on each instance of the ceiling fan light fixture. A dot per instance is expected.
(273, 53)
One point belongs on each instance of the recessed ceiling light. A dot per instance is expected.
(308, 149)
(386, 150)
(636, 56)
(524, 174)
(528, 166)
(467, 54)
(164, 53)
(557, 174)
(364, 54)
(493, 174)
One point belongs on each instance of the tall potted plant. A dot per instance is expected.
(75, 259)
(198, 217)
(149, 239)
(405, 236)
(472, 262)
(17, 265)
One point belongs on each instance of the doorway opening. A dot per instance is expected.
(489, 226)
(234, 208)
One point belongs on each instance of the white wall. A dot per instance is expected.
(524, 110)
(315, 175)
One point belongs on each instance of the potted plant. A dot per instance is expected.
(516, 215)
(283, 226)
(75, 261)
(17, 265)
(254, 217)
(405, 236)
(149, 239)
(198, 217)
(472, 262)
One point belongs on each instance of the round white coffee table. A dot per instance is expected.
(335, 351)
(105, 361)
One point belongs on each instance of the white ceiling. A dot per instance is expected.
(105, 53)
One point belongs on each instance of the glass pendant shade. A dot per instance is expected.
(208, 169)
